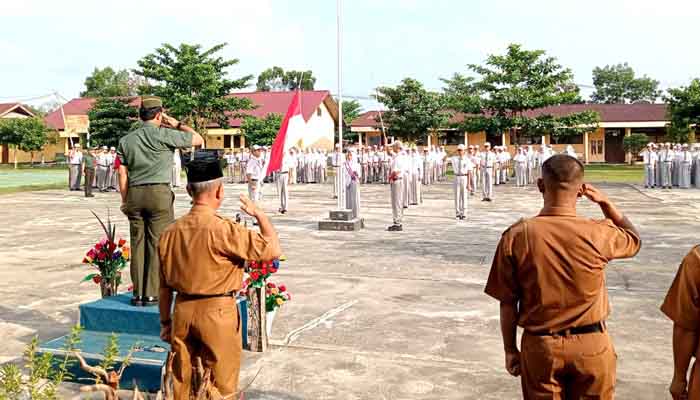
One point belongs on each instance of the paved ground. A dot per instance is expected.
(375, 314)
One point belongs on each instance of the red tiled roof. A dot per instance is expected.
(607, 112)
(278, 102)
(8, 107)
(267, 102)
(79, 106)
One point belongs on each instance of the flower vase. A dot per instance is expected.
(270, 317)
(108, 289)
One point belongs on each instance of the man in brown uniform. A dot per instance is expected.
(549, 275)
(201, 258)
(682, 306)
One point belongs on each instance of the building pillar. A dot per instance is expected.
(242, 141)
(628, 155)
(359, 138)
(544, 139)
(586, 148)
(429, 139)
(503, 139)
(466, 139)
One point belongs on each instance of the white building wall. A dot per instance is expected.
(320, 130)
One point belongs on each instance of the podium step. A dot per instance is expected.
(146, 364)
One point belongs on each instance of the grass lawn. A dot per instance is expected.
(615, 173)
(30, 179)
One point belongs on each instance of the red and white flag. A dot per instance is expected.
(290, 132)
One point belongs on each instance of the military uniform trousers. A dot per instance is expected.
(666, 173)
(74, 174)
(150, 210)
(208, 329)
(102, 177)
(282, 183)
(89, 173)
(487, 182)
(397, 193)
(461, 195)
(649, 175)
(568, 367)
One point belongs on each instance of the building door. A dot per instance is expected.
(5, 155)
(614, 151)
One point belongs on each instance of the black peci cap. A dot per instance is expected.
(205, 166)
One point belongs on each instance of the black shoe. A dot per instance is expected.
(484, 199)
(137, 301)
(398, 228)
(149, 301)
(462, 217)
(489, 199)
(89, 195)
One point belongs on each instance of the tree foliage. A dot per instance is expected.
(510, 85)
(261, 131)
(635, 143)
(194, 84)
(617, 84)
(25, 134)
(276, 79)
(412, 111)
(684, 110)
(111, 119)
(107, 82)
(351, 110)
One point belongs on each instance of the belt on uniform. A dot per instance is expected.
(150, 184)
(185, 297)
(283, 172)
(579, 330)
(460, 175)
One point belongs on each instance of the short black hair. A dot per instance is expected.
(147, 114)
(562, 168)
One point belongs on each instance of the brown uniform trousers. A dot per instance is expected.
(581, 366)
(211, 330)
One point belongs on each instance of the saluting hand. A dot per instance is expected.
(593, 194)
(170, 121)
(513, 363)
(248, 207)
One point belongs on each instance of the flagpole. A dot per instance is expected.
(341, 189)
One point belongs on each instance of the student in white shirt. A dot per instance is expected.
(461, 166)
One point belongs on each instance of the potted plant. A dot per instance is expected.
(109, 257)
(275, 297)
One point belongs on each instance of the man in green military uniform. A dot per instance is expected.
(146, 156)
(89, 170)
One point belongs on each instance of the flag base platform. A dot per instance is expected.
(137, 328)
(341, 220)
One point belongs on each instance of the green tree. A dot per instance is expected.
(617, 84)
(412, 111)
(684, 111)
(111, 119)
(275, 79)
(261, 131)
(351, 110)
(634, 144)
(194, 84)
(25, 134)
(107, 82)
(509, 86)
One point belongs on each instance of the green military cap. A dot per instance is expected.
(151, 102)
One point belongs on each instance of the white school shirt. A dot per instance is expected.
(346, 168)
(461, 165)
(254, 168)
(76, 158)
(488, 159)
(687, 157)
(520, 158)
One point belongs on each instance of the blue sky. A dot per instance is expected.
(53, 45)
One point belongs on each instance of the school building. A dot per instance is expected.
(602, 145)
(8, 153)
(319, 109)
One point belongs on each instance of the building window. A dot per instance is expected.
(319, 112)
(449, 139)
(573, 139)
(525, 140)
(596, 147)
(228, 142)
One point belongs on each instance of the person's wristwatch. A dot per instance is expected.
(166, 323)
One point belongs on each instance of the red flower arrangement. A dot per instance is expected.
(276, 296)
(109, 256)
(259, 271)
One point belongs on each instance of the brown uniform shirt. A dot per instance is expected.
(203, 253)
(553, 265)
(682, 303)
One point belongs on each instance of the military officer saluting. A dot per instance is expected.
(549, 275)
(202, 256)
(146, 156)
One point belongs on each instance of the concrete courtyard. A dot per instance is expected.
(375, 314)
